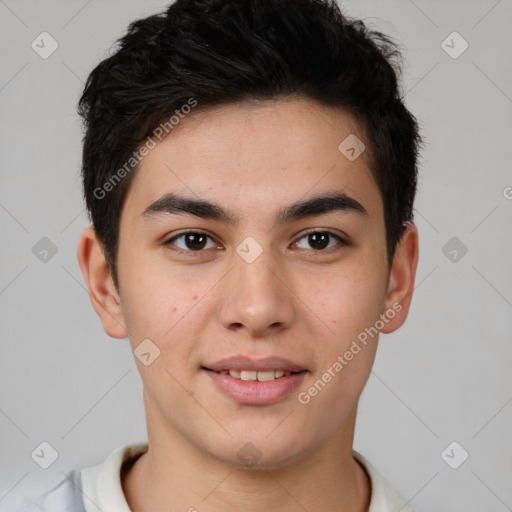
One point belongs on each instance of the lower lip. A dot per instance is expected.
(254, 392)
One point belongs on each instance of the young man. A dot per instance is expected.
(250, 172)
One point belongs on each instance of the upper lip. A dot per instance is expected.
(256, 365)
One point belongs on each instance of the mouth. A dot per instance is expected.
(255, 382)
(251, 375)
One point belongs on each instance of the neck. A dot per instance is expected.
(174, 475)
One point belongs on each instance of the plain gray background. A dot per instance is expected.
(443, 377)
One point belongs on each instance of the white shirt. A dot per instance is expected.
(101, 488)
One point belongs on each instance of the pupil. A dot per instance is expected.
(319, 240)
(195, 241)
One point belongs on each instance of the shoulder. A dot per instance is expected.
(99, 485)
(384, 498)
(66, 496)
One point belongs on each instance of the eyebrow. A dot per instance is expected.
(329, 202)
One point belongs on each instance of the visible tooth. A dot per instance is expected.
(263, 376)
(247, 375)
(259, 376)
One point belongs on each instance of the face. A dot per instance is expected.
(250, 245)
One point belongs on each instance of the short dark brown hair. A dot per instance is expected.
(217, 52)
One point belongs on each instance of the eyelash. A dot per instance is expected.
(340, 240)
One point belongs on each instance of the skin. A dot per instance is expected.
(293, 301)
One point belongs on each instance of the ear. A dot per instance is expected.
(401, 279)
(102, 292)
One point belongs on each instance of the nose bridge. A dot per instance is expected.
(255, 296)
(258, 276)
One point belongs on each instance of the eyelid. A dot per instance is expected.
(168, 241)
(341, 238)
(187, 232)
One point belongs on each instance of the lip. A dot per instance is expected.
(255, 392)
(255, 365)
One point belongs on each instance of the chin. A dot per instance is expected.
(259, 454)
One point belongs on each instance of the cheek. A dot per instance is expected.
(346, 300)
(350, 301)
(350, 307)
(156, 305)
(172, 309)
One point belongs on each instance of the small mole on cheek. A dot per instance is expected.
(174, 309)
(194, 298)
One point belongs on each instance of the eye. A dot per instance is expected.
(320, 240)
(192, 241)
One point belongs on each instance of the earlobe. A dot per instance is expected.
(102, 292)
(401, 280)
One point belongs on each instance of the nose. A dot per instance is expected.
(256, 297)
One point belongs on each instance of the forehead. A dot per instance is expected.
(258, 155)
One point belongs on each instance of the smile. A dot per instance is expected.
(259, 376)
